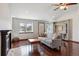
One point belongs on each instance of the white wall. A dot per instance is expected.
(74, 15)
(5, 20)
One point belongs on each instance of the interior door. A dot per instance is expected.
(41, 29)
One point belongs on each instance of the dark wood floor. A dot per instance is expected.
(39, 49)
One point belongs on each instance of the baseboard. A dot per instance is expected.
(19, 40)
(71, 41)
(23, 39)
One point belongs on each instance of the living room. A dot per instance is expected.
(38, 30)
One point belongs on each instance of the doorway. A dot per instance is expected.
(41, 28)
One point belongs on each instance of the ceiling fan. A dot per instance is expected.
(63, 6)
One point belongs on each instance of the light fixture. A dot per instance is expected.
(64, 6)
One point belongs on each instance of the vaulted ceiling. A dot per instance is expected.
(38, 11)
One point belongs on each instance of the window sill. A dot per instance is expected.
(25, 32)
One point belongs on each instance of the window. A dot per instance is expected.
(29, 27)
(22, 27)
(26, 27)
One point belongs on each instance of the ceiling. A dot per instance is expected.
(37, 11)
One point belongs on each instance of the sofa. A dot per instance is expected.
(52, 43)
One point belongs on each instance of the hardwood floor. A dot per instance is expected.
(39, 49)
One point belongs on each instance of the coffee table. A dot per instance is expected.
(34, 43)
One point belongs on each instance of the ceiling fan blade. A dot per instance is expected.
(60, 4)
(56, 8)
(71, 3)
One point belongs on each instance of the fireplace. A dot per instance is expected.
(5, 41)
